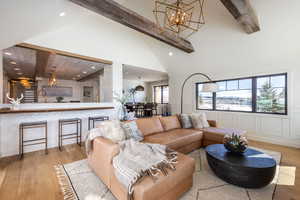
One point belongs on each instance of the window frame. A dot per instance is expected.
(254, 94)
(161, 93)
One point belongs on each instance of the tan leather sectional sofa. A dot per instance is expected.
(162, 130)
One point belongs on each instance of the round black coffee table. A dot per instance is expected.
(253, 169)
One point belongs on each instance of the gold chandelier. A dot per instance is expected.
(52, 80)
(182, 17)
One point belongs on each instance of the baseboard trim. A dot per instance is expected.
(280, 141)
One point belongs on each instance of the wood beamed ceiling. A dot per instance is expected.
(241, 10)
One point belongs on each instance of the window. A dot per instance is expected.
(234, 95)
(204, 99)
(261, 94)
(271, 94)
(161, 94)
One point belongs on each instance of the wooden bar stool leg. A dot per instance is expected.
(77, 131)
(20, 142)
(46, 136)
(59, 136)
(80, 134)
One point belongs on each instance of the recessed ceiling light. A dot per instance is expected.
(19, 73)
(62, 14)
(170, 53)
(78, 75)
(84, 72)
(17, 69)
(93, 67)
(7, 53)
(13, 62)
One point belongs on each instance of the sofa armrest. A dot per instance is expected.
(100, 159)
(212, 123)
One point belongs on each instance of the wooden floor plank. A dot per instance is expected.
(34, 177)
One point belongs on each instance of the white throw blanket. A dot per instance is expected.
(92, 134)
(137, 160)
(108, 129)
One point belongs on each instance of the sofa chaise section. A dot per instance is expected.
(168, 187)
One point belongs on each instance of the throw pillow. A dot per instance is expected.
(131, 131)
(185, 120)
(204, 121)
(197, 120)
(112, 130)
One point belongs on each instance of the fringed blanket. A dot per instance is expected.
(92, 134)
(108, 129)
(137, 160)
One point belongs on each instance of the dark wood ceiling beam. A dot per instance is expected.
(129, 18)
(244, 13)
(44, 62)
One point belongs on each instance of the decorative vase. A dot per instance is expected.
(235, 144)
(123, 113)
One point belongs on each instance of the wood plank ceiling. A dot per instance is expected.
(19, 62)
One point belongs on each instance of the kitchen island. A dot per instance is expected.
(50, 112)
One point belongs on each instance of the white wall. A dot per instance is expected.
(224, 51)
(97, 36)
(140, 96)
(77, 88)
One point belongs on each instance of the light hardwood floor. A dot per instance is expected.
(34, 177)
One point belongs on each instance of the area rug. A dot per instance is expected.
(78, 182)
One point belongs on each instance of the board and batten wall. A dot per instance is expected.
(277, 129)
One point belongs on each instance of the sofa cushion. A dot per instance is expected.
(176, 138)
(217, 134)
(131, 131)
(170, 123)
(185, 120)
(149, 126)
(199, 120)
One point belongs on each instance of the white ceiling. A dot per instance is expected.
(143, 74)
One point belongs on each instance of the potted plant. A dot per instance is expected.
(122, 100)
(59, 99)
(235, 143)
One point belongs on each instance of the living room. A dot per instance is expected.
(239, 67)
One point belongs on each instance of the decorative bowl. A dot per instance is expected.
(235, 143)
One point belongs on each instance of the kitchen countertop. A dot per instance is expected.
(9, 111)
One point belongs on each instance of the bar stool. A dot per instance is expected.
(96, 119)
(77, 134)
(30, 125)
